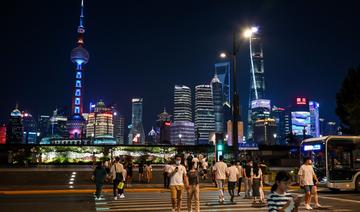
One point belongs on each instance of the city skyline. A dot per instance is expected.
(117, 61)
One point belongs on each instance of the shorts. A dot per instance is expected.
(220, 184)
(307, 188)
(176, 191)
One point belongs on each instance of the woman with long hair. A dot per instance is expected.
(279, 200)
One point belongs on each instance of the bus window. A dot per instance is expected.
(340, 154)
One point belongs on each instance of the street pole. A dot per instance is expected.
(235, 108)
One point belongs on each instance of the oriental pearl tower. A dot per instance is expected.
(79, 56)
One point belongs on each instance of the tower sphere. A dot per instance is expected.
(79, 55)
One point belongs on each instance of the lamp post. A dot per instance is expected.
(235, 100)
(180, 138)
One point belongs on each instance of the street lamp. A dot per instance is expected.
(180, 138)
(235, 102)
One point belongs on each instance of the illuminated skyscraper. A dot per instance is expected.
(137, 134)
(182, 130)
(30, 129)
(100, 122)
(204, 113)
(257, 78)
(222, 70)
(278, 114)
(119, 125)
(80, 57)
(314, 119)
(218, 100)
(163, 128)
(15, 128)
(182, 103)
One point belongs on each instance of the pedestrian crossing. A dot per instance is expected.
(160, 201)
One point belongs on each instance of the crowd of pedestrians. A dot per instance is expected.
(185, 173)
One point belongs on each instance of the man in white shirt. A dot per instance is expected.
(195, 160)
(306, 177)
(232, 172)
(178, 180)
(219, 171)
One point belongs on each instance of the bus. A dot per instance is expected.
(336, 160)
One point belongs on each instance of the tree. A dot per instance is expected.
(348, 102)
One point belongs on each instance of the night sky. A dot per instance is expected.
(143, 48)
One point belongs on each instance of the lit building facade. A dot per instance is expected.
(79, 56)
(265, 132)
(218, 101)
(3, 134)
(278, 114)
(228, 137)
(119, 126)
(299, 119)
(137, 134)
(43, 126)
(100, 122)
(30, 129)
(58, 125)
(204, 113)
(182, 103)
(314, 119)
(14, 132)
(164, 128)
(257, 77)
(182, 133)
(222, 70)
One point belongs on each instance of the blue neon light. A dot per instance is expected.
(77, 101)
(78, 83)
(78, 75)
(77, 92)
(312, 147)
(77, 110)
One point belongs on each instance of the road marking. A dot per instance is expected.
(339, 199)
(102, 209)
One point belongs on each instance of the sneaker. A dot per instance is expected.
(122, 196)
(115, 198)
(223, 199)
(318, 206)
(308, 207)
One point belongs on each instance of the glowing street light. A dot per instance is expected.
(249, 32)
(223, 55)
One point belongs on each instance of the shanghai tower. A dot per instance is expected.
(257, 78)
(79, 56)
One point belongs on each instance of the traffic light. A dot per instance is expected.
(219, 145)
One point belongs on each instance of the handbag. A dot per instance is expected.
(121, 185)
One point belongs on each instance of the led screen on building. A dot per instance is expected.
(299, 120)
(260, 103)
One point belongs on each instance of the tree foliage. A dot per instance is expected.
(348, 102)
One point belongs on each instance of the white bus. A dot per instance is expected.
(336, 160)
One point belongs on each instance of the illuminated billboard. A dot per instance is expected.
(260, 103)
(299, 120)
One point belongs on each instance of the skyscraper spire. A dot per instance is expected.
(82, 15)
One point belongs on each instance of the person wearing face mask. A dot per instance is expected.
(178, 180)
